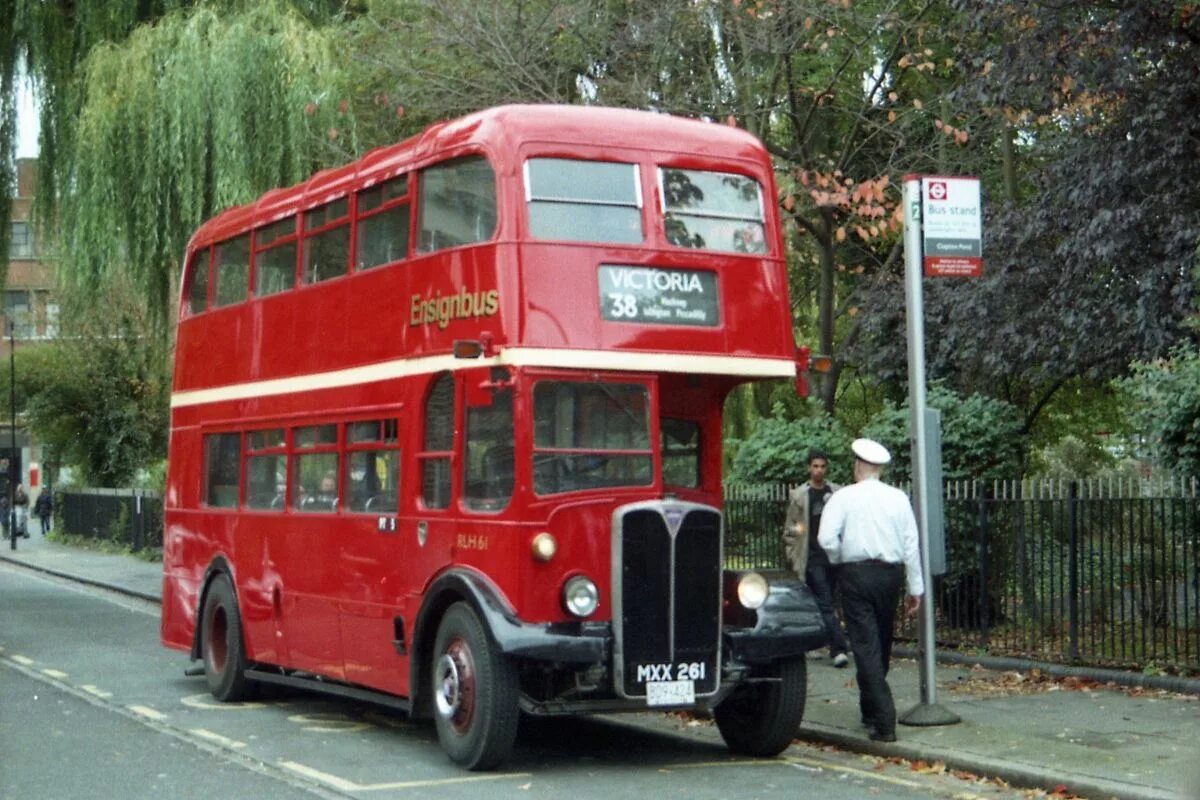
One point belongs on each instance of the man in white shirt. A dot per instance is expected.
(869, 531)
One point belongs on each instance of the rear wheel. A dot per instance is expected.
(221, 643)
(761, 717)
(474, 692)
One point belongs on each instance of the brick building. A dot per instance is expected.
(33, 313)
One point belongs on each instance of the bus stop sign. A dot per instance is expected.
(952, 227)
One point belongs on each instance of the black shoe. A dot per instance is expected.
(877, 735)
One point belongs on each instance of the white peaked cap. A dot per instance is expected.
(870, 451)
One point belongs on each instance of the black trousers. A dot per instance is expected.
(819, 577)
(870, 594)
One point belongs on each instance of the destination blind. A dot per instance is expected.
(658, 296)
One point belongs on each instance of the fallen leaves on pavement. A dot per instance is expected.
(985, 682)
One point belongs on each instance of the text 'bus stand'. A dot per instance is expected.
(928, 712)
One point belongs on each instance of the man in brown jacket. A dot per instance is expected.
(805, 504)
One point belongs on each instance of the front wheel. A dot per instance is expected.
(221, 643)
(760, 718)
(474, 692)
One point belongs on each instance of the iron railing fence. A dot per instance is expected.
(131, 517)
(1104, 573)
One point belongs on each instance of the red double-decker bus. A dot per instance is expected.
(446, 430)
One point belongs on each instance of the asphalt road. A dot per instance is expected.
(92, 706)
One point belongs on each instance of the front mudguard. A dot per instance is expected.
(787, 625)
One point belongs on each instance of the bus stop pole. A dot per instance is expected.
(927, 712)
(12, 435)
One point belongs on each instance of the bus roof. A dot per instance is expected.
(503, 126)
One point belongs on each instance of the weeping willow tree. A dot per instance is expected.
(191, 115)
(123, 72)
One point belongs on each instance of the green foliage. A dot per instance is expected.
(981, 436)
(1073, 457)
(190, 115)
(1085, 271)
(777, 451)
(1166, 407)
(1081, 431)
(981, 439)
(98, 395)
(54, 40)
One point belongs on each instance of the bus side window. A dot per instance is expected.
(382, 231)
(457, 204)
(266, 469)
(372, 466)
(198, 281)
(438, 443)
(488, 478)
(231, 271)
(275, 257)
(315, 468)
(222, 463)
(326, 242)
(680, 452)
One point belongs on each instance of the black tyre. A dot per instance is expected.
(221, 643)
(474, 692)
(761, 718)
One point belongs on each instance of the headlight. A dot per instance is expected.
(544, 547)
(752, 590)
(580, 596)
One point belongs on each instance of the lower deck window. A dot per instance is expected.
(314, 482)
(266, 481)
(222, 461)
(372, 478)
(590, 436)
(488, 482)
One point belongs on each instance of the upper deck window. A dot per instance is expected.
(383, 213)
(275, 258)
(583, 201)
(457, 204)
(590, 436)
(231, 269)
(713, 211)
(198, 281)
(326, 241)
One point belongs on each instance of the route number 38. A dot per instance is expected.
(624, 306)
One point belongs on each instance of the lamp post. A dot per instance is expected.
(12, 435)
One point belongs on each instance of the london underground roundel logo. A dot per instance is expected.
(938, 190)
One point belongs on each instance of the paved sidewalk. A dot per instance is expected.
(1074, 735)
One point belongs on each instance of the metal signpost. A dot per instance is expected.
(942, 237)
(12, 406)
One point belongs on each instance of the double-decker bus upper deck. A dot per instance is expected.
(653, 246)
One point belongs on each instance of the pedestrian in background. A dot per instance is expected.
(21, 504)
(805, 506)
(868, 530)
(43, 509)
